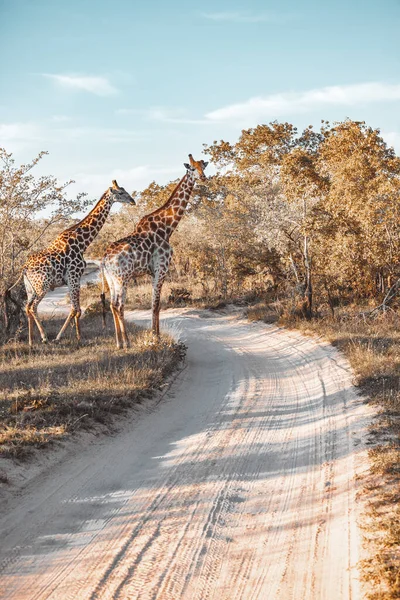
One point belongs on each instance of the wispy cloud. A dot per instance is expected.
(171, 116)
(27, 133)
(136, 178)
(277, 105)
(102, 134)
(19, 134)
(392, 138)
(129, 111)
(274, 106)
(87, 83)
(246, 17)
(60, 119)
(163, 115)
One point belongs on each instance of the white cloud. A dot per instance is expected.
(276, 105)
(59, 118)
(95, 134)
(129, 111)
(87, 83)
(162, 115)
(51, 131)
(245, 17)
(392, 138)
(136, 178)
(15, 137)
(171, 116)
(10, 132)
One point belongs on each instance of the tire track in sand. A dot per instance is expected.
(240, 485)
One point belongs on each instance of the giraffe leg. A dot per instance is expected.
(114, 301)
(75, 311)
(66, 323)
(31, 294)
(122, 326)
(114, 311)
(33, 314)
(32, 303)
(77, 315)
(120, 314)
(78, 326)
(30, 325)
(157, 285)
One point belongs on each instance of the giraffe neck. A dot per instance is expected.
(165, 219)
(86, 230)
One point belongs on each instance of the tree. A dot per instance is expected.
(272, 171)
(29, 209)
(304, 188)
(314, 213)
(362, 241)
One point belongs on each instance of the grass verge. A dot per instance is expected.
(373, 350)
(51, 390)
(184, 293)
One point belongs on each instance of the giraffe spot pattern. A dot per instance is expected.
(147, 250)
(62, 261)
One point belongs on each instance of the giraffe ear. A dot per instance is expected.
(204, 164)
(187, 166)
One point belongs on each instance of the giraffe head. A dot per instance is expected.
(119, 194)
(197, 167)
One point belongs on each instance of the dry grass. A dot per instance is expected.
(268, 313)
(177, 292)
(51, 390)
(373, 350)
(139, 294)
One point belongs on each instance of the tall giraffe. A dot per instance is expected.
(147, 251)
(62, 262)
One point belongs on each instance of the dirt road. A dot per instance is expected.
(238, 485)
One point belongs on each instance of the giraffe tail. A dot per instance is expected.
(8, 290)
(103, 295)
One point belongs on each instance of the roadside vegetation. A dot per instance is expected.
(296, 226)
(372, 347)
(50, 391)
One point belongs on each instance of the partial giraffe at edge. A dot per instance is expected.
(62, 262)
(147, 252)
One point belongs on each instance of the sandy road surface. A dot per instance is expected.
(238, 485)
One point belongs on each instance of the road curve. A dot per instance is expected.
(238, 485)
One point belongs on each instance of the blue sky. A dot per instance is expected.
(127, 89)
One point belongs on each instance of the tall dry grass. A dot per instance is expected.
(140, 291)
(176, 291)
(51, 390)
(372, 347)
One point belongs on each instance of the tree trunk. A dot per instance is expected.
(330, 300)
(224, 282)
(308, 291)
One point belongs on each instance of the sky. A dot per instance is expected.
(126, 89)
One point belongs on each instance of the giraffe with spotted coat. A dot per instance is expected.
(62, 263)
(147, 251)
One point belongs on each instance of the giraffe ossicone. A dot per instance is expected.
(62, 262)
(147, 251)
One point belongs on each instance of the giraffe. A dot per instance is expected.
(147, 251)
(62, 263)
